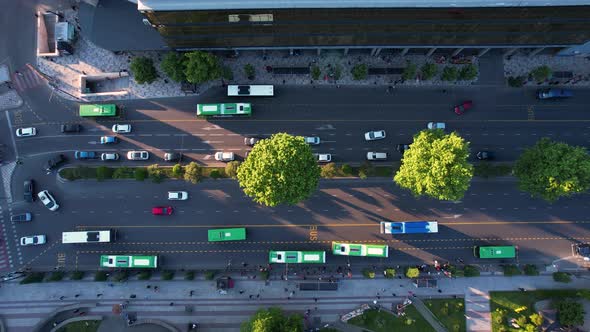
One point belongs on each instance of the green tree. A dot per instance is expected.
(570, 313)
(428, 70)
(536, 319)
(173, 66)
(249, 71)
(360, 72)
(436, 166)
(531, 270)
(279, 170)
(271, 320)
(521, 320)
(140, 173)
(562, 277)
(201, 67)
(177, 171)
(551, 170)
(215, 174)
(412, 272)
(143, 70)
(468, 72)
(316, 72)
(470, 271)
(103, 172)
(329, 170)
(449, 74)
(231, 169)
(155, 173)
(192, 172)
(122, 173)
(541, 73)
(410, 71)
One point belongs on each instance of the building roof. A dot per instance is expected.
(178, 5)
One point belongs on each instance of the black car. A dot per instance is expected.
(29, 190)
(251, 141)
(485, 155)
(401, 148)
(172, 156)
(71, 128)
(54, 162)
(21, 217)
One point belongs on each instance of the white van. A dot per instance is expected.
(376, 155)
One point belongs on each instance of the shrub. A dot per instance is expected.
(143, 70)
(177, 171)
(192, 172)
(531, 270)
(470, 271)
(468, 72)
(329, 170)
(369, 273)
(103, 172)
(231, 169)
(389, 273)
(210, 274)
(516, 82)
(346, 169)
(367, 168)
(140, 173)
(562, 277)
(155, 173)
(264, 275)
(227, 73)
(409, 72)
(201, 67)
(521, 320)
(511, 270)
(56, 276)
(536, 319)
(316, 72)
(449, 74)
(77, 275)
(121, 276)
(100, 276)
(33, 277)
(412, 272)
(541, 73)
(189, 275)
(144, 275)
(123, 173)
(362, 174)
(215, 174)
(167, 275)
(360, 72)
(173, 66)
(249, 71)
(429, 70)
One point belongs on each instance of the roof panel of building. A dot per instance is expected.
(166, 5)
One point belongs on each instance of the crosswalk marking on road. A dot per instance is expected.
(26, 79)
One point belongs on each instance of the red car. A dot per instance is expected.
(162, 210)
(466, 105)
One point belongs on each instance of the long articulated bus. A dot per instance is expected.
(88, 236)
(409, 227)
(144, 262)
(227, 234)
(356, 249)
(98, 110)
(293, 257)
(224, 110)
(251, 90)
(488, 252)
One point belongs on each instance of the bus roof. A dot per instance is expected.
(98, 110)
(495, 251)
(226, 234)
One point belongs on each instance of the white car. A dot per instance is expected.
(374, 135)
(48, 200)
(436, 125)
(177, 195)
(26, 132)
(138, 155)
(121, 128)
(323, 157)
(224, 156)
(312, 140)
(32, 240)
(376, 156)
(109, 156)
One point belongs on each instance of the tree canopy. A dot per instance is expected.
(436, 166)
(173, 66)
(143, 70)
(273, 320)
(281, 169)
(551, 170)
(201, 67)
(570, 313)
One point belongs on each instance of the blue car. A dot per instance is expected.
(85, 155)
(554, 93)
(108, 139)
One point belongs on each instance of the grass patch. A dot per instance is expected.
(56, 276)
(487, 170)
(450, 312)
(33, 278)
(156, 173)
(82, 326)
(562, 277)
(381, 321)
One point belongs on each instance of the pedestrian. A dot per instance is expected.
(76, 311)
(148, 286)
(18, 73)
(36, 15)
(77, 295)
(191, 293)
(522, 289)
(393, 294)
(171, 303)
(251, 296)
(156, 289)
(440, 290)
(257, 296)
(378, 297)
(286, 290)
(315, 299)
(99, 295)
(83, 72)
(111, 285)
(242, 291)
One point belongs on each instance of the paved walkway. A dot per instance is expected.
(428, 315)
(23, 306)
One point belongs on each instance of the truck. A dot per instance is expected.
(409, 227)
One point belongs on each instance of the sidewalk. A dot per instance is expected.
(23, 306)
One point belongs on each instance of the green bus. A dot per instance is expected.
(146, 262)
(294, 257)
(227, 234)
(494, 251)
(357, 249)
(224, 110)
(98, 110)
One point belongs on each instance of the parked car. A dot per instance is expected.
(436, 125)
(177, 195)
(402, 148)
(71, 128)
(323, 157)
(108, 139)
(224, 156)
(463, 107)
(554, 93)
(312, 140)
(121, 128)
(26, 132)
(21, 217)
(109, 156)
(138, 155)
(374, 135)
(582, 250)
(32, 240)
(376, 156)
(162, 210)
(48, 200)
(251, 141)
(54, 162)
(484, 155)
(29, 189)
(81, 155)
(172, 156)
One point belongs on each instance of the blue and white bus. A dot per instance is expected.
(409, 227)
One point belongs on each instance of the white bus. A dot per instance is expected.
(250, 90)
(87, 236)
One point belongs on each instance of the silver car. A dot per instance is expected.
(138, 155)
(374, 135)
(121, 128)
(32, 240)
(312, 140)
(109, 156)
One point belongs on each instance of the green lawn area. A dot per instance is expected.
(450, 312)
(515, 304)
(382, 321)
(82, 326)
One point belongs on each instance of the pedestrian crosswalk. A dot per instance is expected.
(26, 78)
